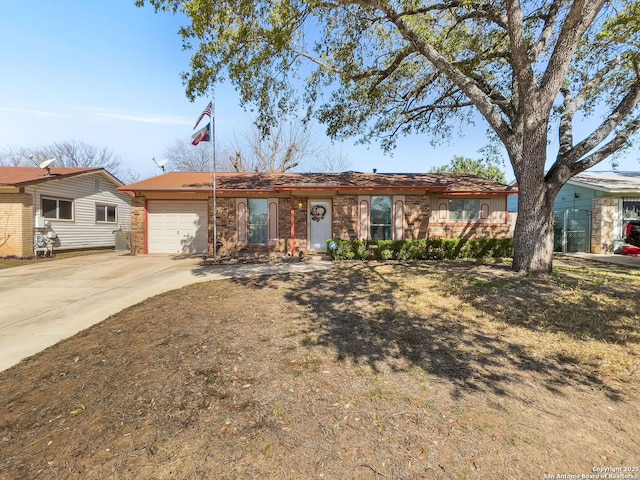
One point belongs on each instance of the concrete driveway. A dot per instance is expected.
(43, 303)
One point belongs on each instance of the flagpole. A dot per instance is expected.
(213, 165)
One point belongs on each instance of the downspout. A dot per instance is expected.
(293, 225)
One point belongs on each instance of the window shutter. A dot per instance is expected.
(398, 217)
(443, 210)
(363, 216)
(241, 220)
(484, 211)
(273, 221)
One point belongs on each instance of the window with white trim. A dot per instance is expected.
(57, 208)
(464, 210)
(106, 213)
(380, 218)
(258, 221)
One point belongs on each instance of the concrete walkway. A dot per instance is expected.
(624, 260)
(43, 303)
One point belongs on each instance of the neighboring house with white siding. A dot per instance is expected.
(298, 212)
(81, 205)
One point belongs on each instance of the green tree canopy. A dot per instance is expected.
(384, 68)
(482, 168)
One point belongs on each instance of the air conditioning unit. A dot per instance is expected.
(40, 221)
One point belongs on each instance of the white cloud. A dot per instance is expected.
(147, 118)
(39, 113)
(142, 117)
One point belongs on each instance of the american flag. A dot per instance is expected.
(206, 111)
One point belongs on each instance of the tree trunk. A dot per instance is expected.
(533, 235)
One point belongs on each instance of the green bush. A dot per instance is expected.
(437, 249)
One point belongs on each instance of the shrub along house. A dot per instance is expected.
(296, 212)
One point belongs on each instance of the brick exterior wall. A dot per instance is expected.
(16, 225)
(284, 225)
(138, 217)
(417, 210)
(345, 217)
(488, 230)
(225, 224)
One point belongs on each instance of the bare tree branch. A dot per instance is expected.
(606, 128)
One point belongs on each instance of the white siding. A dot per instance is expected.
(83, 231)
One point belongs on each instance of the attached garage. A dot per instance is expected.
(177, 227)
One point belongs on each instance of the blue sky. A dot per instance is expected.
(108, 73)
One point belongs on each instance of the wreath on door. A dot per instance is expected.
(318, 212)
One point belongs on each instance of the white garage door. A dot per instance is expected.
(177, 227)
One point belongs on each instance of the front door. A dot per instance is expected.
(319, 224)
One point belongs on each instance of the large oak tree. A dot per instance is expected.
(376, 69)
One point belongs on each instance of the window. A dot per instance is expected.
(464, 210)
(631, 209)
(57, 209)
(105, 213)
(380, 218)
(258, 221)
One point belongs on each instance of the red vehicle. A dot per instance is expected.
(632, 232)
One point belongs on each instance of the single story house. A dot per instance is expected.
(298, 212)
(594, 206)
(81, 205)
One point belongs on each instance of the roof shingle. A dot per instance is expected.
(22, 176)
(269, 182)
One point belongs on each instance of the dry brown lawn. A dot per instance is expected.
(366, 371)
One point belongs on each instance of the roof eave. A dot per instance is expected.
(600, 188)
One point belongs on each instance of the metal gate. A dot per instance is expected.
(572, 231)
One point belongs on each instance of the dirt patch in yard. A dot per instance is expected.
(365, 371)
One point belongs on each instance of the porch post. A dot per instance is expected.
(293, 225)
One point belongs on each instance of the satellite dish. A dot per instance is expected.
(160, 163)
(46, 164)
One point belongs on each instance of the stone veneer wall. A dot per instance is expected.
(16, 225)
(603, 225)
